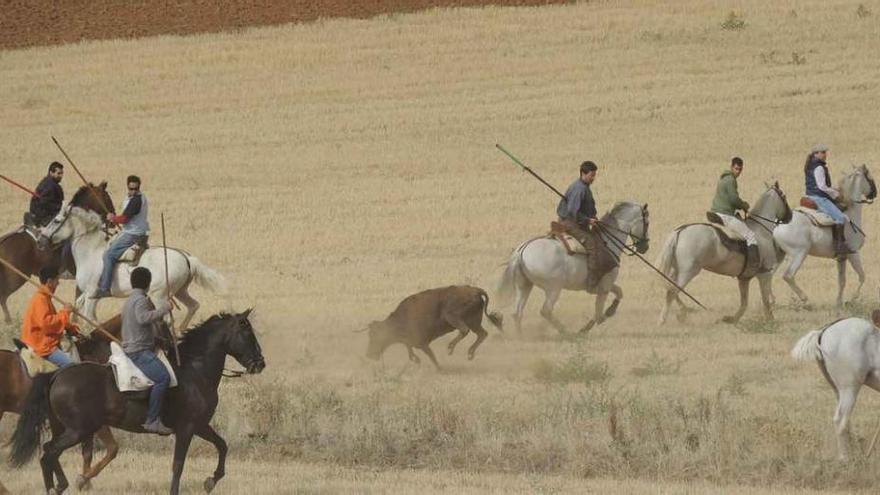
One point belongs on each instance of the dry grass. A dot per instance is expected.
(331, 169)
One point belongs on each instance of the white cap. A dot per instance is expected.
(818, 148)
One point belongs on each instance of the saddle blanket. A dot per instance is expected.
(35, 365)
(817, 217)
(129, 378)
(730, 233)
(572, 245)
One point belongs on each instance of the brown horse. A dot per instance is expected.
(15, 385)
(20, 249)
(79, 400)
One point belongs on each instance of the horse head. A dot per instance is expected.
(773, 204)
(633, 220)
(57, 230)
(243, 345)
(94, 198)
(858, 186)
(70, 221)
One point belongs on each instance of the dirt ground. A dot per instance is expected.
(47, 22)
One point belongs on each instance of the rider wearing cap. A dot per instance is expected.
(818, 188)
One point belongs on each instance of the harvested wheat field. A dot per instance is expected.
(329, 169)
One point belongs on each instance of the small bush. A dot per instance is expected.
(734, 22)
(576, 369)
(656, 365)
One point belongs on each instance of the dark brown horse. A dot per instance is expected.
(20, 249)
(15, 385)
(80, 400)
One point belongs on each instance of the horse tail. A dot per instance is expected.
(26, 437)
(807, 348)
(206, 276)
(507, 285)
(666, 261)
(495, 317)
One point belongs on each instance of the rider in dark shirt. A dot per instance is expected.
(50, 196)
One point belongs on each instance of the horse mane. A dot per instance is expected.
(80, 194)
(89, 217)
(199, 334)
(618, 208)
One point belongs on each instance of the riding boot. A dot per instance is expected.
(839, 237)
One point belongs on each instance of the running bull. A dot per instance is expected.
(427, 315)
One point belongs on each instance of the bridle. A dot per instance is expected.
(639, 242)
(777, 221)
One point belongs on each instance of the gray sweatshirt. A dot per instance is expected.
(138, 316)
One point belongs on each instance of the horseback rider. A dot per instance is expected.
(139, 315)
(43, 327)
(725, 204)
(135, 229)
(50, 196)
(577, 213)
(818, 185)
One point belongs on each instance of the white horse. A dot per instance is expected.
(801, 238)
(88, 243)
(546, 263)
(694, 247)
(848, 354)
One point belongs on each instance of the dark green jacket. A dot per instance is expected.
(727, 198)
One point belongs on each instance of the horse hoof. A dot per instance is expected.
(470, 356)
(83, 484)
(729, 319)
(209, 485)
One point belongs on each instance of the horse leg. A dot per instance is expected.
(208, 433)
(523, 289)
(855, 260)
(684, 277)
(106, 436)
(841, 282)
(765, 281)
(845, 405)
(743, 301)
(618, 295)
(191, 306)
(182, 439)
(551, 296)
(796, 261)
(88, 449)
(598, 315)
(52, 451)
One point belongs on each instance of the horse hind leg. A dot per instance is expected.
(841, 282)
(523, 290)
(845, 405)
(84, 481)
(49, 461)
(192, 305)
(743, 301)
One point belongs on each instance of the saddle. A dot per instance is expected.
(32, 364)
(132, 255)
(129, 378)
(571, 244)
(730, 238)
(809, 208)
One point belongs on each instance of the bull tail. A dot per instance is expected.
(495, 317)
(29, 428)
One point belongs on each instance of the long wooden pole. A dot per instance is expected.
(168, 290)
(82, 177)
(16, 184)
(29, 280)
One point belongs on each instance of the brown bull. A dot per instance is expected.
(427, 315)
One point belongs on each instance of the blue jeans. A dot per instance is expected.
(59, 358)
(149, 363)
(113, 252)
(828, 206)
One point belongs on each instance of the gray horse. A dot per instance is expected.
(546, 263)
(695, 247)
(801, 238)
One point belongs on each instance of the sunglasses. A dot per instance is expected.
(134, 189)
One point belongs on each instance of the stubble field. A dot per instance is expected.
(330, 169)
